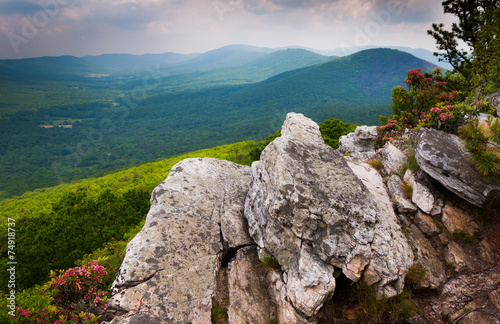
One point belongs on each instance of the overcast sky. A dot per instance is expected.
(33, 28)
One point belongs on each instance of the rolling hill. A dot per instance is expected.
(127, 63)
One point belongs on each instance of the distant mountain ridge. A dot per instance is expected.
(243, 58)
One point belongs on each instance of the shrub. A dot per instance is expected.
(415, 274)
(332, 129)
(76, 296)
(482, 140)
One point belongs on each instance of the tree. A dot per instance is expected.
(478, 27)
(332, 129)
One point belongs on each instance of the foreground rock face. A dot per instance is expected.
(443, 157)
(287, 223)
(168, 272)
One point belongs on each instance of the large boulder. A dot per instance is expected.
(308, 209)
(443, 157)
(168, 273)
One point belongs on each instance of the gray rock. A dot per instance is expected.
(360, 143)
(249, 300)
(392, 158)
(286, 312)
(475, 318)
(310, 282)
(494, 298)
(459, 260)
(494, 100)
(470, 314)
(168, 272)
(421, 195)
(402, 203)
(444, 158)
(391, 254)
(303, 193)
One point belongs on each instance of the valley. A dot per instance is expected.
(122, 110)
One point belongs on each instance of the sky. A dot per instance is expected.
(34, 28)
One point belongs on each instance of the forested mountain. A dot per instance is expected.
(421, 53)
(51, 68)
(121, 124)
(257, 70)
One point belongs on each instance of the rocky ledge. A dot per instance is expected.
(279, 230)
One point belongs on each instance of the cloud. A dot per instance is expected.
(83, 27)
(20, 7)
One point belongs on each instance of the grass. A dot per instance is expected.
(415, 274)
(383, 310)
(407, 189)
(362, 299)
(463, 237)
(411, 161)
(268, 262)
(376, 163)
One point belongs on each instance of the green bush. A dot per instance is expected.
(78, 224)
(332, 129)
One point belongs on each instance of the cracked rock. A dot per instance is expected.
(168, 273)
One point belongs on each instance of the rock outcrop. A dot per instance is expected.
(168, 273)
(305, 202)
(443, 157)
(301, 214)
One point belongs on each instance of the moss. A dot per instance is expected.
(219, 313)
(268, 262)
(463, 237)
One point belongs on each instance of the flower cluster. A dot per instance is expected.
(77, 297)
(54, 316)
(78, 285)
(425, 103)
